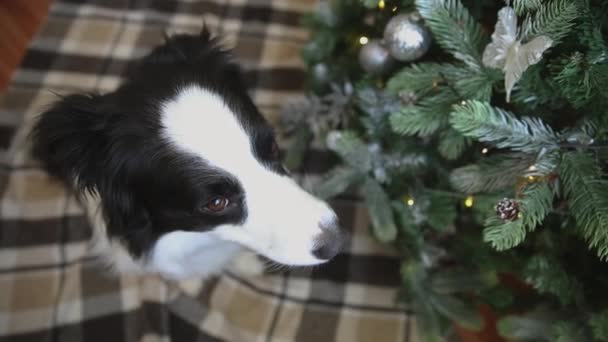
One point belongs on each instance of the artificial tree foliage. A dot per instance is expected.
(469, 185)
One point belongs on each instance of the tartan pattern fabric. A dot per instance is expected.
(53, 289)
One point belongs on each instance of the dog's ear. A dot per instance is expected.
(69, 137)
(75, 142)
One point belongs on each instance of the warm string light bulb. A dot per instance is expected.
(363, 40)
(484, 150)
(410, 201)
(395, 9)
(468, 202)
(381, 4)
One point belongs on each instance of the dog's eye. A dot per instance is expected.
(217, 204)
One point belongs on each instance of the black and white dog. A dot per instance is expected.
(179, 171)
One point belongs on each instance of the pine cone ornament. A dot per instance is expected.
(507, 209)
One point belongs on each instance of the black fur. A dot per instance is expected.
(111, 144)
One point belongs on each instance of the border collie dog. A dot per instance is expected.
(179, 171)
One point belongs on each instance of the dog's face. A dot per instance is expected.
(180, 146)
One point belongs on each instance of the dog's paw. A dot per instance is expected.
(247, 264)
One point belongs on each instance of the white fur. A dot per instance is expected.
(183, 254)
(283, 220)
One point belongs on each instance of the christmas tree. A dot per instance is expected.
(475, 132)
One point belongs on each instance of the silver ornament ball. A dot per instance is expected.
(375, 58)
(320, 72)
(406, 37)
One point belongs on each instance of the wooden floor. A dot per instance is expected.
(19, 21)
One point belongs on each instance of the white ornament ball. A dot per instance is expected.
(333, 138)
(375, 58)
(406, 37)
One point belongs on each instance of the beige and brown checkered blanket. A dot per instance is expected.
(52, 289)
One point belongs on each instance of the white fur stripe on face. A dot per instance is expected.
(283, 220)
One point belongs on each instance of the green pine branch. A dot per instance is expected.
(587, 195)
(481, 121)
(554, 19)
(320, 47)
(534, 205)
(568, 331)
(547, 275)
(524, 6)
(573, 79)
(441, 212)
(528, 327)
(454, 28)
(420, 78)
(380, 211)
(599, 325)
(424, 78)
(452, 144)
(471, 83)
(490, 174)
(457, 310)
(425, 117)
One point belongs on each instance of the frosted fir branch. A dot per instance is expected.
(406, 160)
(485, 123)
(320, 113)
(351, 149)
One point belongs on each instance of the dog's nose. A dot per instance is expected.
(330, 242)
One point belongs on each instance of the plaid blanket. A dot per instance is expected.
(52, 288)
